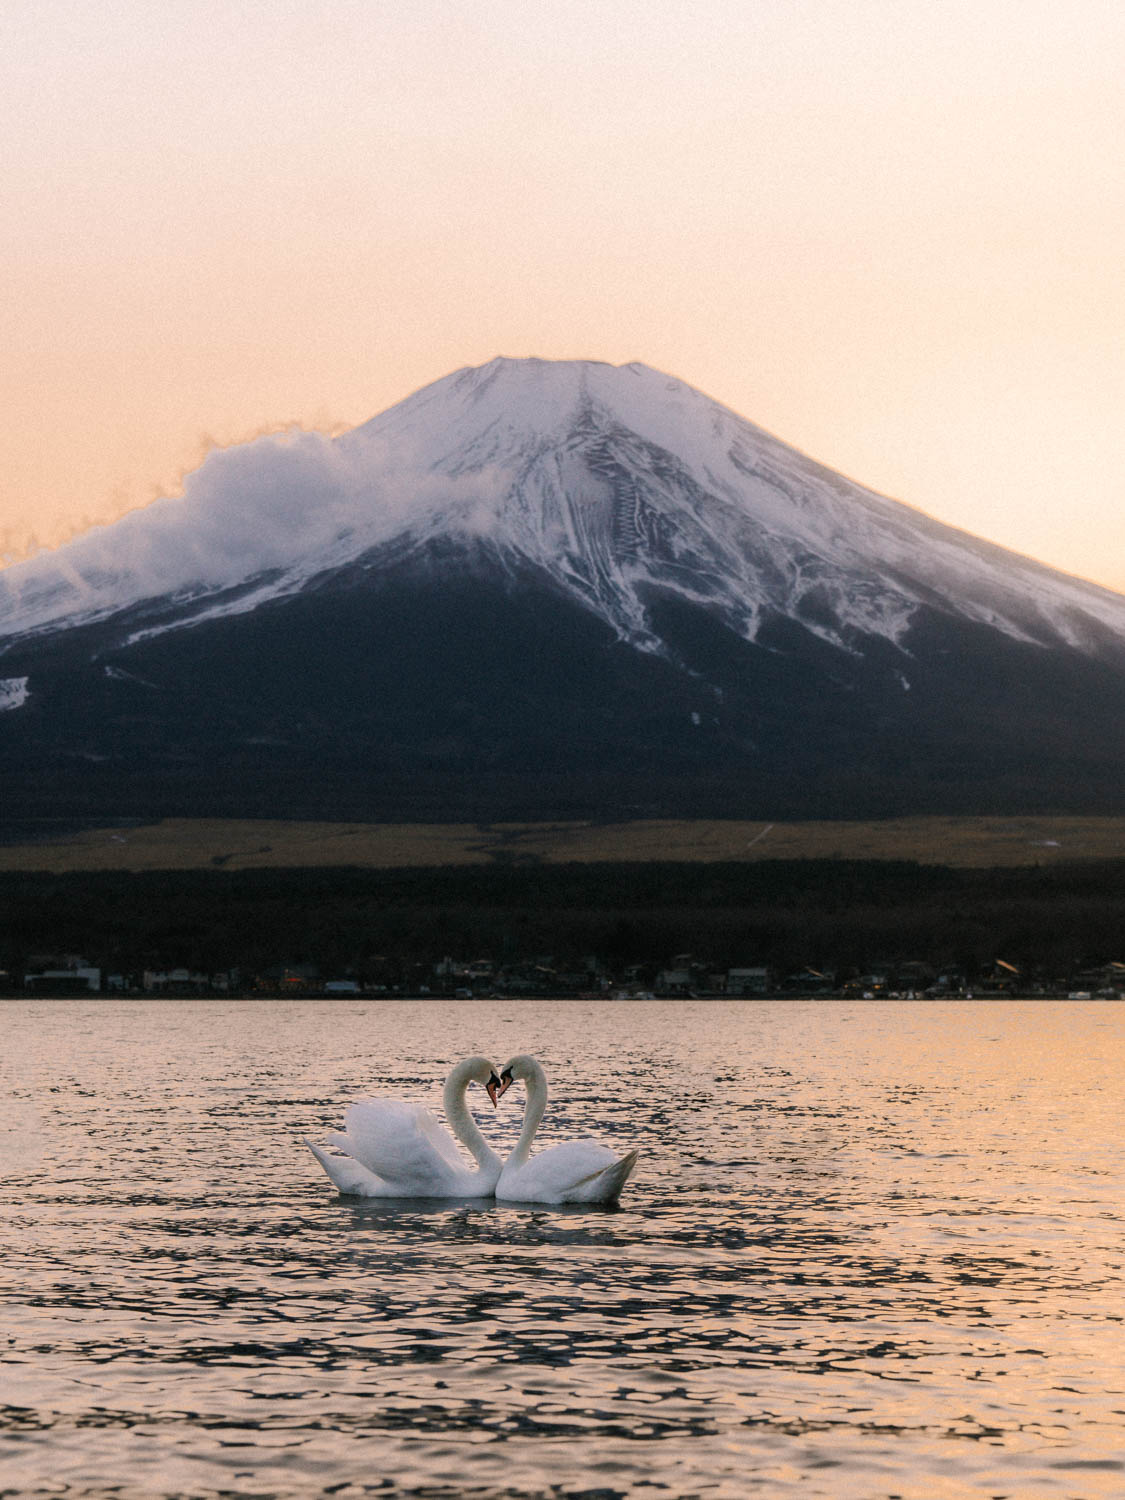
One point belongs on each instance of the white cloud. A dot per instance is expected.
(293, 502)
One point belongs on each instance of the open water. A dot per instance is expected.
(870, 1250)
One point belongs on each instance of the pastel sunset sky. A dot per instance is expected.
(890, 231)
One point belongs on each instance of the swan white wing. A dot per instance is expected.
(401, 1143)
(575, 1172)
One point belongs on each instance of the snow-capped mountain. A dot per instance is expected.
(606, 478)
(586, 587)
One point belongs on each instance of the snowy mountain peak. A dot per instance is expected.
(614, 481)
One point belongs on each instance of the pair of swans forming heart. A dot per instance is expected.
(397, 1150)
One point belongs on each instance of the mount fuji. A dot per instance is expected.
(543, 589)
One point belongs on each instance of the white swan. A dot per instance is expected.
(399, 1150)
(576, 1172)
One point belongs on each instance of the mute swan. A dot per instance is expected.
(399, 1150)
(576, 1172)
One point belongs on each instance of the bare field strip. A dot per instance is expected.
(185, 844)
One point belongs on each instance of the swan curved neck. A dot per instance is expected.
(457, 1113)
(536, 1082)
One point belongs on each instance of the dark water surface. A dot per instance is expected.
(869, 1251)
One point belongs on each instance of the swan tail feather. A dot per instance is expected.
(618, 1175)
(347, 1175)
(605, 1185)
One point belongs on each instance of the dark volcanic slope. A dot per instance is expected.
(459, 692)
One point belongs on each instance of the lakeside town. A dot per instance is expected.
(684, 977)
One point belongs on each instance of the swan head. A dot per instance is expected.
(480, 1070)
(522, 1067)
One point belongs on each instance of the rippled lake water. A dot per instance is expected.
(869, 1251)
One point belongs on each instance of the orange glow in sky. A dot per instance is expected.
(889, 231)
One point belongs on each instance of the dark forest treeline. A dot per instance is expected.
(830, 914)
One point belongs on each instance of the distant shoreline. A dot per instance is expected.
(680, 929)
(554, 999)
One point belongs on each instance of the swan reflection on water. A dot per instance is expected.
(395, 1150)
(398, 1213)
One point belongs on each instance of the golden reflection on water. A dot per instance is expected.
(870, 1250)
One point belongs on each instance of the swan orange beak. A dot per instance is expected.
(505, 1084)
(490, 1088)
